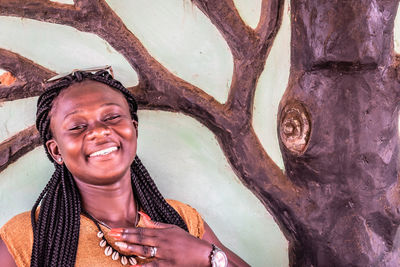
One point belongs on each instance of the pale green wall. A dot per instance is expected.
(181, 154)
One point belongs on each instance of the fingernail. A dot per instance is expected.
(147, 217)
(122, 245)
(117, 230)
(115, 235)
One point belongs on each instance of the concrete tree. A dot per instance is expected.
(337, 203)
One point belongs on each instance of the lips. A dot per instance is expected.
(103, 152)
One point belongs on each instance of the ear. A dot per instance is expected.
(54, 151)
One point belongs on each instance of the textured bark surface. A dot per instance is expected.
(343, 78)
(338, 202)
(18, 145)
(29, 76)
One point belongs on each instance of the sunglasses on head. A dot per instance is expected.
(92, 70)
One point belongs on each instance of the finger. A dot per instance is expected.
(139, 250)
(142, 236)
(155, 263)
(139, 237)
(151, 224)
(117, 233)
(122, 232)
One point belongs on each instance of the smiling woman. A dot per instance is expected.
(94, 132)
(101, 207)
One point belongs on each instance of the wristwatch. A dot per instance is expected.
(218, 257)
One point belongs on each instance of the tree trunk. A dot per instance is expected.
(338, 132)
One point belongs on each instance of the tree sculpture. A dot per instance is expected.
(338, 202)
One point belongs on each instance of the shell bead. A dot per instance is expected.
(108, 251)
(115, 255)
(124, 260)
(103, 243)
(132, 261)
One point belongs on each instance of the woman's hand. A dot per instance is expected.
(171, 245)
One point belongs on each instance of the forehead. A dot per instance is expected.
(87, 95)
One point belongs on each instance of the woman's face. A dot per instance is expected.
(93, 133)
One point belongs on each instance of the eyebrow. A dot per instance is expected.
(80, 110)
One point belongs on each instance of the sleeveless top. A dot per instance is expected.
(17, 234)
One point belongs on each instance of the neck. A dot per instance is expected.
(113, 204)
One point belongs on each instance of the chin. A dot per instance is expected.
(106, 178)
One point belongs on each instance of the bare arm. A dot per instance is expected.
(233, 259)
(175, 247)
(6, 259)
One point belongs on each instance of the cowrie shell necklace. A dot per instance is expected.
(109, 250)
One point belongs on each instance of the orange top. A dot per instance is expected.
(17, 234)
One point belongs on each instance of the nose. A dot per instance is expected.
(98, 130)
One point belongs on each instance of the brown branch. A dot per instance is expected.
(248, 70)
(29, 76)
(186, 101)
(249, 48)
(270, 20)
(263, 177)
(224, 15)
(18, 145)
(43, 10)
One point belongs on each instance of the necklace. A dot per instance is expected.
(109, 250)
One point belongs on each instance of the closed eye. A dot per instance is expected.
(113, 117)
(78, 127)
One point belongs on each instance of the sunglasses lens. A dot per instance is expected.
(57, 77)
(91, 70)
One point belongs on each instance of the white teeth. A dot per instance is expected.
(104, 151)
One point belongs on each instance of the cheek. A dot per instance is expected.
(128, 133)
(70, 147)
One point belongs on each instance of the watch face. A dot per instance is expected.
(220, 259)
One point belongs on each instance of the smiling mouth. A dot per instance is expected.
(103, 152)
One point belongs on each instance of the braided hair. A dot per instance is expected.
(56, 224)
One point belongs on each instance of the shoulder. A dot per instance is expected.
(17, 220)
(18, 227)
(191, 217)
(183, 209)
(17, 235)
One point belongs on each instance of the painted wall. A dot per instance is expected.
(183, 157)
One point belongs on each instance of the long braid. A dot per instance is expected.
(150, 198)
(52, 229)
(56, 227)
